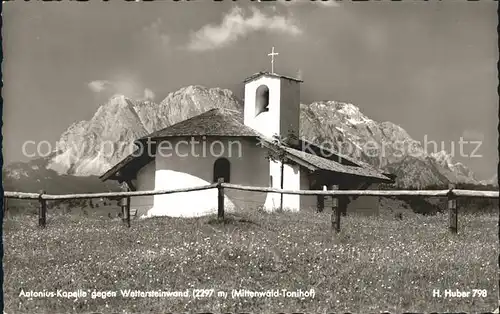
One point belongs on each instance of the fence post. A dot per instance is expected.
(335, 211)
(42, 211)
(5, 207)
(343, 201)
(320, 201)
(125, 207)
(128, 211)
(220, 197)
(452, 209)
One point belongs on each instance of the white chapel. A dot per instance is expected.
(235, 146)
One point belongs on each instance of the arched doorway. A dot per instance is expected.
(222, 169)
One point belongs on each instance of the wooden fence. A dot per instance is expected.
(451, 194)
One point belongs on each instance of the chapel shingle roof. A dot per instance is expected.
(214, 122)
(314, 149)
(330, 165)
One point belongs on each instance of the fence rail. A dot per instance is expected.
(381, 193)
(50, 197)
(451, 194)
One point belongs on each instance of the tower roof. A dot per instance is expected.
(269, 74)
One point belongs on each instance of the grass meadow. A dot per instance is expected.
(375, 264)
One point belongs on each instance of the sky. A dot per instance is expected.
(429, 67)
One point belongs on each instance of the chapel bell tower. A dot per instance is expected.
(272, 104)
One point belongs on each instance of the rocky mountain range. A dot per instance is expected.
(92, 147)
(384, 145)
(88, 148)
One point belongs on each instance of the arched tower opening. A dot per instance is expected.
(261, 100)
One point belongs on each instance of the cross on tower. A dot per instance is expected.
(272, 54)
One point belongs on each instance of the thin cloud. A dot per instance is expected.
(326, 3)
(126, 87)
(236, 25)
(149, 94)
(299, 74)
(155, 33)
(98, 86)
